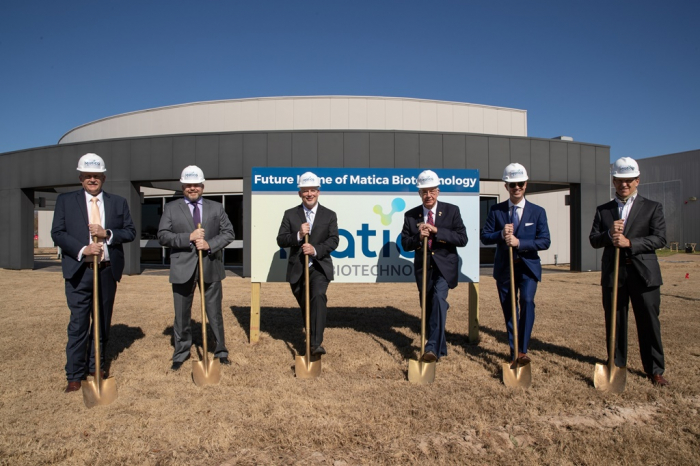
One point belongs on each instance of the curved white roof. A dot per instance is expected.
(306, 113)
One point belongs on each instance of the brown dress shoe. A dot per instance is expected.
(658, 380)
(72, 387)
(523, 358)
(429, 357)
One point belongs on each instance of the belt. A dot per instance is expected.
(101, 265)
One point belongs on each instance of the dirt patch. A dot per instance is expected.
(361, 410)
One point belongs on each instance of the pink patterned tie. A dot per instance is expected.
(430, 222)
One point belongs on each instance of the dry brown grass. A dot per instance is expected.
(361, 410)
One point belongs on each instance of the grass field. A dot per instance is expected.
(361, 410)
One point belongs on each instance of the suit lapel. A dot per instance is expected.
(186, 212)
(108, 208)
(527, 213)
(82, 205)
(636, 207)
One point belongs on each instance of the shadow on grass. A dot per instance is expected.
(121, 337)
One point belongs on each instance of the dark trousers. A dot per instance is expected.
(646, 302)
(525, 289)
(436, 307)
(183, 294)
(318, 285)
(79, 294)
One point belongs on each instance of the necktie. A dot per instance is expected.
(430, 222)
(310, 219)
(96, 219)
(196, 216)
(514, 218)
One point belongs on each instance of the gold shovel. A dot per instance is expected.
(307, 367)
(419, 371)
(515, 374)
(204, 371)
(610, 378)
(97, 391)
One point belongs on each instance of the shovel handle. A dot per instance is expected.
(613, 311)
(423, 294)
(205, 355)
(96, 315)
(514, 313)
(307, 305)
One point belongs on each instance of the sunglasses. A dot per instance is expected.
(519, 184)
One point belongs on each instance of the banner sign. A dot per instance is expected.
(370, 204)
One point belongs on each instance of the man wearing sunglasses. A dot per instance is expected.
(637, 226)
(522, 226)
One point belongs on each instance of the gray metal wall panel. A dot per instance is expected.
(132, 251)
(602, 163)
(161, 159)
(478, 155)
(356, 150)
(673, 205)
(279, 149)
(304, 149)
(254, 152)
(430, 150)
(589, 256)
(573, 170)
(381, 150)
(117, 157)
(454, 151)
(499, 157)
(184, 150)
(587, 167)
(407, 153)
(69, 157)
(140, 159)
(231, 156)
(21, 219)
(519, 153)
(7, 230)
(559, 167)
(539, 160)
(207, 155)
(51, 160)
(330, 149)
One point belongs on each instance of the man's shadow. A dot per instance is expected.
(121, 337)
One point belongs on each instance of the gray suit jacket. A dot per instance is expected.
(174, 230)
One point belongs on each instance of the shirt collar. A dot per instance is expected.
(89, 196)
(520, 204)
(187, 201)
(433, 210)
(630, 199)
(310, 210)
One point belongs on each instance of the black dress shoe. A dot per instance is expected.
(225, 361)
(176, 366)
(72, 387)
(318, 350)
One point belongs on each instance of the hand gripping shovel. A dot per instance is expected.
(307, 367)
(514, 373)
(204, 371)
(610, 378)
(419, 371)
(97, 391)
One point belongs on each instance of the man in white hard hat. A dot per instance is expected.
(178, 230)
(321, 224)
(637, 226)
(442, 224)
(522, 225)
(80, 216)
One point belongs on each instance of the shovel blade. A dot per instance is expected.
(516, 375)
(206, 372)
(421, 372)
(610, 379)
(103, 393)
(307, 368)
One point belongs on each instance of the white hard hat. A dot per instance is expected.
(514, 172)
(91, 163)
(309, 180)
(192, 175)
(428, 179)
(625, 167)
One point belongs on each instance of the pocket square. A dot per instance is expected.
(529, 224)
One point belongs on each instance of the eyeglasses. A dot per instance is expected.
(88, 176)
(624, 180)
(425, 192)
(519, 184)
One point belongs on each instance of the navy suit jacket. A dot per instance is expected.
(532, 232)
(451, 235)
(324, 238)
(70, 230)
(646, 230)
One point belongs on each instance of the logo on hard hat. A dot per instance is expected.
(92, 163)
(308, 179)
(628, 168)
(189, 175)
(515, 172)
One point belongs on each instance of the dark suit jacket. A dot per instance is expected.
(70, 230)
(451, 235)
(532, 232)
(646, 230)
(324, 238)
(174, 230)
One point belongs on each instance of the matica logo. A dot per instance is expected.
(397, 205)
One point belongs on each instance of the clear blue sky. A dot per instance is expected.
(620, 73)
